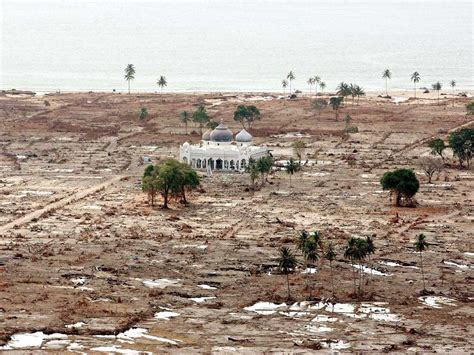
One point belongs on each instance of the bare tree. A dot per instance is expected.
(431, 166)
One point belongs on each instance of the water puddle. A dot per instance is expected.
(460, 266)
(371, 271)
(159, 283)
(201, 299)
(437, 301)
(166, 315)
(265, 308)
(31, 340)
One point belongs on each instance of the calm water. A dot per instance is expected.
(233, 45)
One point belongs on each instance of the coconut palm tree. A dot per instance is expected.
(185, 117)
(349, 254)
(343, 90)
(290, 78)
(322, 85)
(129, 74)
(415, 77)
(387, 74)
(358, 91)
(284, 84)
(143, 113)
(335, 103)
(161, 82)
(316, 80)
(453, 84)
(359, 254)
(287, 263)
(420, 246)
(291, 167)
(308, 245)
(330, 255)
(437, 86)
(310, 82)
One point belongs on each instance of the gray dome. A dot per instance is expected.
(207, 135)
(221, 134)
(243, 136)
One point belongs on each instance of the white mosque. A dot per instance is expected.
(219, 151)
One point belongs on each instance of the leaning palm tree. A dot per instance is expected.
(453, 84)
(330, 255)
(129, 74)
(322, 85)
(284, 84)
(290, 78)
(291, 167)
(316, 80)
(287, 263)
(437, 86)
(161, 82)
(387, 74)
(415, 77)
(421, 245)
(185, 117)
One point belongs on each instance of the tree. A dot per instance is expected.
(212, 124)
(171, 179)
(415, 77)
(310, 82)
(264, 167)
(421, 245)
(299, 147)
(322, 85)
(437, 86)
(349, 254)
(437, 147)
(287, 263)
(358, 91)
(335, 103)
(430, 166)
(452, 83)
(143, 113)
(290, 78)
(201, 117)
(185, 118)
(348, 119)
(356, 250)
(284, 84)
(370, 248)
(161, 82)
(319, 104)
(403, 184)
(343, 90)
(129, 74)
(316, 81)
(253, 171)
(308, 245)
(470, 108)
(246, 114)
(462, 144)
(291, 168)
(387, 74)
(330, 255)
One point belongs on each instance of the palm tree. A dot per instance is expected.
(349, 254)
(310, 82)
(358, 91)
(359, 254)
(290, 77)
(284, 84)
(370, 250)
(352, 92)
(143, 113)
(161, 82)
(129, 74)
(185, 117)
(420, 245)
(330, 255)
(343, 90)
(453, 84)
(322, 85)
(387, 74)
(316, 80)
(335, 103)
(308, 245)
(291, 167)
(437, 86)
(287, 263)
(415, 77)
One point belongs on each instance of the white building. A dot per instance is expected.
(218, 150)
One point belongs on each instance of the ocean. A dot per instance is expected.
(219, 45)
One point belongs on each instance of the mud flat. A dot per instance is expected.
(107, 273)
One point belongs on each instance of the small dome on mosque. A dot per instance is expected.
(207, 135)
(243, 136)
(221, 134)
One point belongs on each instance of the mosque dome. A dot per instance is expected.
(221, 134)
(243, 136)
(207, 135)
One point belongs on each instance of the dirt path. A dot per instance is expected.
(58, 204)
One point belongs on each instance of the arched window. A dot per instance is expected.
(204, 163)
(232, 164)
(198, 164)
(226, 164)
(219, 164)
(185, 160)
(243, 164)
(193, 163)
